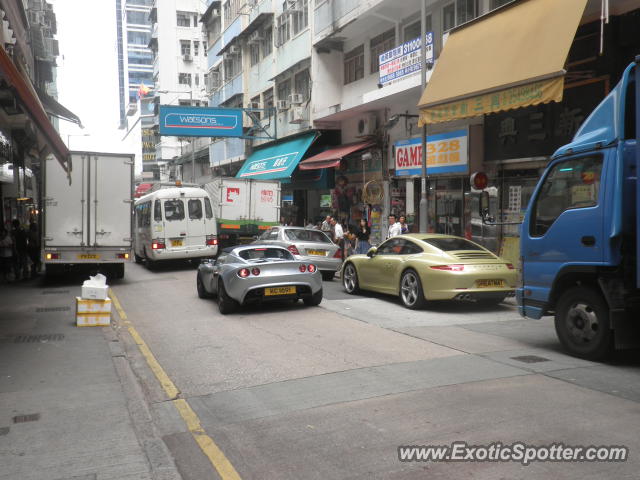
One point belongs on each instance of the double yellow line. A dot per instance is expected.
(207, 445)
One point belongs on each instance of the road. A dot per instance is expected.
(331, 392)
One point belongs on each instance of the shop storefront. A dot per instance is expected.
(358, 188)
(448, 166)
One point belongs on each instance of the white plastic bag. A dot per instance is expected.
(98, 281)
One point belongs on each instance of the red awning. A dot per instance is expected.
(142, 189)
(29, 100)
(331, 158)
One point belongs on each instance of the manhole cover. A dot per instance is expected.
(52, 309)
(32, 417)
(54, 292)
(45, 337)
(530, 359)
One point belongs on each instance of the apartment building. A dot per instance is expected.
(180, 50)
(29, 112)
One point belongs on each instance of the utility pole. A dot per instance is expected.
(423, 179)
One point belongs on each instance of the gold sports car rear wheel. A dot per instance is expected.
(411, 292)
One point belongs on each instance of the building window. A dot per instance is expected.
(283, 29)
(498, 3)
(413, 31)
(466, 10)
(448, 17)
(137, 18)
(197, 79)
(231, 10)
(267, 101)
(267, 43)
(284, 90)
(254, 53)
(184, 79)
(196, 45)
(301, 17)
(354, 65)
(183, 19)
(302, 85)
(379, 45)
(185, 47)
(255, 103)
(204, 48)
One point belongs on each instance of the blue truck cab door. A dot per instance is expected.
(563, 228)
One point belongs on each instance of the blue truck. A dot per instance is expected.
(579, 239)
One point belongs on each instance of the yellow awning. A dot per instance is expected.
(512, 58)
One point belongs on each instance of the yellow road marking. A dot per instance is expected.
(205, 442)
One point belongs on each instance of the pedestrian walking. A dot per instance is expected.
(338, 235)
(403, 224)
(326, 225)
(362, 234)
(395, 228)
(20, 250)
(6, 254)
(33, 238)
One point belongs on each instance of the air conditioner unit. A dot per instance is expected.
(282, 105)
(235, 50)
(367, 125)
(253, 105)
(36, 18)
(298, 115)
(187, 57)
(296, 99)
(255, 37)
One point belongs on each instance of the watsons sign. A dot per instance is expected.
(446, 153)
(404, 60)
(200, 121)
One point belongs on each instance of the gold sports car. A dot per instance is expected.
(426, 266)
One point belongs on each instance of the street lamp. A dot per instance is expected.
(193, 145)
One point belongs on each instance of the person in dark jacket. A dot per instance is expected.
(33, 237)
(20, 251)
(362, 234)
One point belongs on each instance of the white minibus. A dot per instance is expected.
(174, 223)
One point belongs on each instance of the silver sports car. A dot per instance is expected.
(258, 273)
(307, 245)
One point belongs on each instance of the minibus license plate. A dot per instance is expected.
(88, 256)
(279, 291)
(490, 283)
(176, 243)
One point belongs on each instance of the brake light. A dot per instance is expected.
(510, 266)
(303, 268)
(293, 249)
(338, 254)
(53, 256)
(311, 268)
(212, 240)
(158, 245)
(255, 271)
(124, 256)
(449, 268)
(243, 273)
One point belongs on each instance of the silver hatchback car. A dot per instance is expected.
(307, 245)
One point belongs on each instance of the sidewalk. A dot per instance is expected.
(70, 407)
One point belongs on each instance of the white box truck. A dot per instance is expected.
(88, 221)
(243, 208)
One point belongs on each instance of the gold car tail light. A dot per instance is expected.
(448, 268)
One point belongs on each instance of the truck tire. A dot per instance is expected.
(137, 258)
(582, 323)
(118, 270)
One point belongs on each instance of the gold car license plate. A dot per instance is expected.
(320, 253)
(279, 290)
(88, 256)
(176, 243)
(490, 283)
